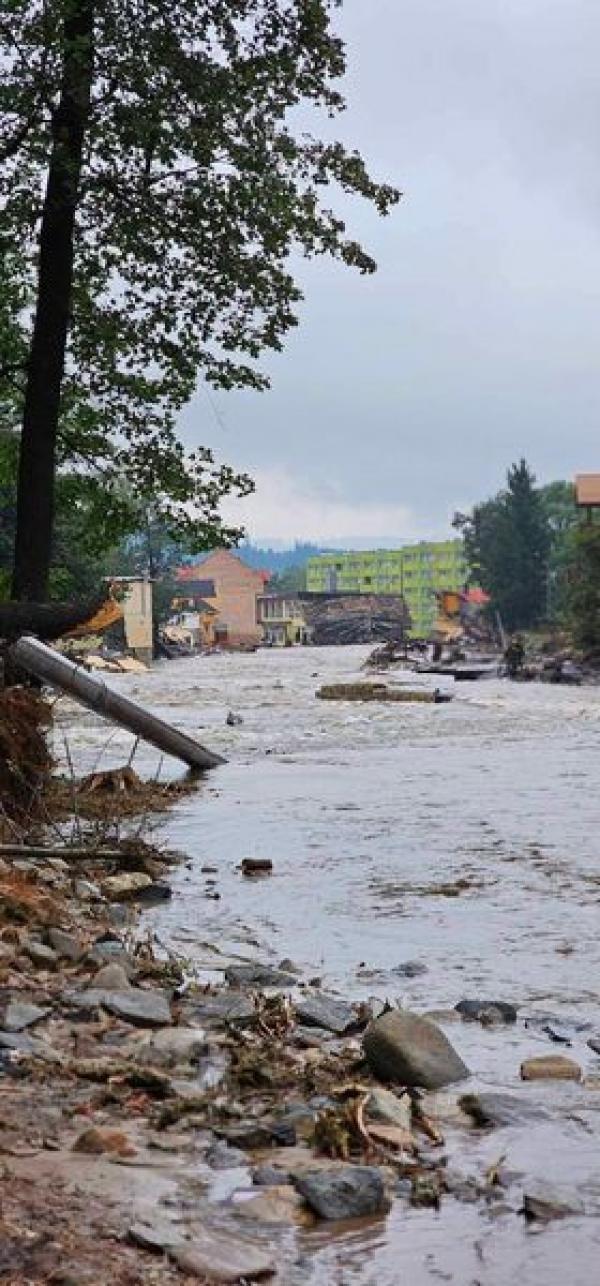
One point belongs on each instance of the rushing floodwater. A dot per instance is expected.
(369, 813)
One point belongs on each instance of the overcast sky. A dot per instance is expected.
(404, 396)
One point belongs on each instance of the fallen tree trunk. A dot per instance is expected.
(31, 655)
(47, 620)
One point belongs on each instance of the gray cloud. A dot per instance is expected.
(477, 340)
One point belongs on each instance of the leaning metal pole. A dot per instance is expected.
(52, 668)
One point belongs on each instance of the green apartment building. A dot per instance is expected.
(415, 571)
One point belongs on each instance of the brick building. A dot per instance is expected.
(235, 589)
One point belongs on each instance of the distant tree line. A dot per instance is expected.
(532, 550)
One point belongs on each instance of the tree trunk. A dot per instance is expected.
(37, 460)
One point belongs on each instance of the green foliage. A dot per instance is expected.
(291, 580)
(199, 183)
(583, 591)
(558, 501)
(507, 543)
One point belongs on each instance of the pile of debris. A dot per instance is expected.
(355, 618)
(25, 760)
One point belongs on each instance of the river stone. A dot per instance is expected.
(224, 1007)
(40, 955)
(219, 1257)
(545, 1202)
(19, 1014)
(410, 1050)
(65, 944)
(410, 969)
(326, 1012)
(487, 1012)
(594, 1044)
(279, 1204)
(171, 1046)
(346, 1192)
(550, 1067)
(119, 888)
(257, 975)
(143, 1008)
(111, 977)
(382, 1105)
(222, 1156)
(87, 891)
(490, 1109)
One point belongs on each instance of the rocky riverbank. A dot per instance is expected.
(155, 1129)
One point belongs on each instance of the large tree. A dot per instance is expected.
(507, 543)
(156, 177)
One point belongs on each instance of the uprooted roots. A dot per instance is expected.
(25, 760)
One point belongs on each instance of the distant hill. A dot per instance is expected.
(279, 560)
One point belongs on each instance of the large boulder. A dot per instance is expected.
(344, 1192)
(408, 1050)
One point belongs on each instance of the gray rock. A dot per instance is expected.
(126, 885)
(224, 1007)
(111, 977)
(487, 1012)
(410, 969)
(65, 944)
(382, 1105)
(23, 1044)
(158, 891)
(142, 1008)
(158, 1235)
(223, 1257)
(87, 891)
(257, 975)
(246, 1134)
(594, 1044)
(345, 1192)
(545, 1202)
(43, 956)
(491, 1109)
(171, 1046)
(402, 1047)
(326, 1012)
(222, 1156)
(311, 1037)
(18, 1015)
(266, 1176)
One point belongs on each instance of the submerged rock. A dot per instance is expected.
(258, 975)
(545, 1202)
(326, 1012)
(550, 1067)
(487, 1012)
(594, 1044)
(412, 1051)
(491, 1109)
(346, 1192)
(410, 969)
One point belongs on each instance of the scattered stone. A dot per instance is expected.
(87, 891)
(65, 944)
(289, 966)
(111, 977)
(120, 888)
(209, 870)
(411, 1051)
(222, 1156)
(345, 1192)
(256, 866)
(224, 1007)
(550, 1067)
(425, 1190)
(326, 1012)
(266, 1176)
(40, 955)
(311, 1037)
(257, 975)
(557, 1034)
(488, 1012)
(410, 969)
(545, 1203)
(594, 1044)
(143, 1008)
(217, 1257)
(233, 720)
(159, 1235)
(170, 1047)
(283, 1133)
(491, 1109)
(23, 1044)
(277, 1205)
(382, 1105)
(157, 891)
(18, 1015)
(95, 1141)
(246, 1134)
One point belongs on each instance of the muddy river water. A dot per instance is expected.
(464, 836)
